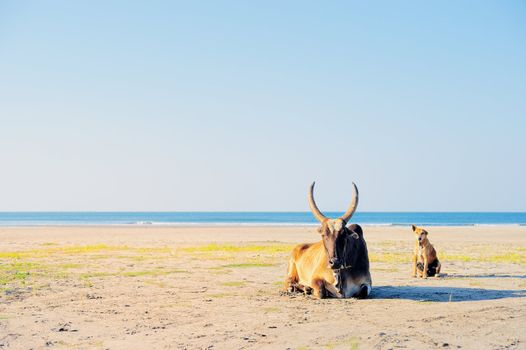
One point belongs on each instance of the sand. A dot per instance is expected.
(169, 288)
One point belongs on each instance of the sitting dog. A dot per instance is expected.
(424, 255)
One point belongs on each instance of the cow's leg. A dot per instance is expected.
(318, 289)
(306, 289)
(332, 290)
(291, 282)
(365, 290)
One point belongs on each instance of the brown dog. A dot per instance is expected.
(424, 255)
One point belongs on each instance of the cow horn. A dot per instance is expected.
(313, 207)
(352, 207)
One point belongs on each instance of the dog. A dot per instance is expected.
(425, 258)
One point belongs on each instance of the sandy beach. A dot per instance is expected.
(151, 287)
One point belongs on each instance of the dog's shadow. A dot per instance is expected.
(443, 294)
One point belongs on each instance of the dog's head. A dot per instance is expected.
(420, 234)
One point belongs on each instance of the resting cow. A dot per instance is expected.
(336, 266)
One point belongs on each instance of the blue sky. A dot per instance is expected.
(240, 105)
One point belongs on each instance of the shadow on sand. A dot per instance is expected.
(491, 275)
(443, 294)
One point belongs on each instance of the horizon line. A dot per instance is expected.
(254, 211)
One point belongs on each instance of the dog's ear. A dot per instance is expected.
(413, 227)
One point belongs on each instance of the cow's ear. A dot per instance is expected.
(319, 229)
(413, 227)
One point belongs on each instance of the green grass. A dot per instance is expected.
(19, 272)
(16, 274)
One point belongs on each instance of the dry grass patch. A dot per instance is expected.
(347, 343)
(122, 273)
(389, 257)
(512, 256)
(253, 248)
(79, 250)
(502, 258)
(234, 284)
(221, 295)
(247, 265)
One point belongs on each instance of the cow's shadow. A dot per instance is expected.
(443, 294)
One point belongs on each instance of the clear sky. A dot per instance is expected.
(239, 105)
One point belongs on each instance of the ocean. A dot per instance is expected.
(8, 219)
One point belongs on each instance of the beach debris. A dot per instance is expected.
(93, 296)
(65, 327)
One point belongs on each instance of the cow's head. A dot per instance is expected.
(333, 231)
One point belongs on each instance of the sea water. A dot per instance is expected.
(257, 218)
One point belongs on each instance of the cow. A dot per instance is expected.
(336, 266)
